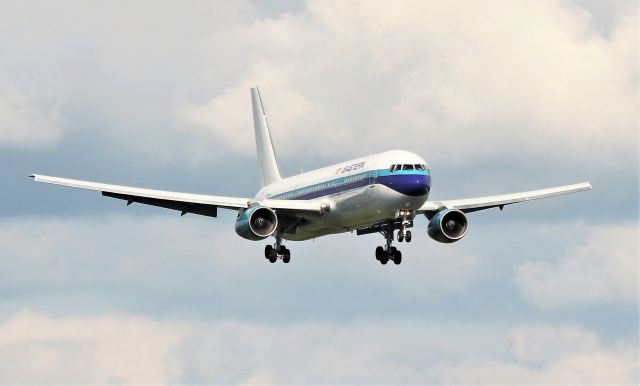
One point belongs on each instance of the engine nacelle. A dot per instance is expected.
(256, 223)
(448, 226)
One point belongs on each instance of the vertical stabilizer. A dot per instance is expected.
(269, 172)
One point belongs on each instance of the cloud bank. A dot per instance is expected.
(120, 348)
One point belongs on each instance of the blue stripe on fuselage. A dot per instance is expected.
(408, 182)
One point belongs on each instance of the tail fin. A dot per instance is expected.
(269, 172)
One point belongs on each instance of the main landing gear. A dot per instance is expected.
(277, 251)
(384, 254)
(389, 252)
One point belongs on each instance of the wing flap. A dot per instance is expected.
(183, 207)
(480, 203)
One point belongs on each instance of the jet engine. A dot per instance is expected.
(256, 223)
(448, 226)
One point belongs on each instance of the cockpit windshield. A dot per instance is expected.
(396, 167)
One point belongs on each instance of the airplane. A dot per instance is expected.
(381, 193)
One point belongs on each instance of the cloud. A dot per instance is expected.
(114, 69)
(98, 263)
(602, 268)
(541, 344)
(542, 81)
(338, 80)
(24, 122)
(227, 118)
(37, 348)
(496, 96)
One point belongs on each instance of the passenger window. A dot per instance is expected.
(407, 167)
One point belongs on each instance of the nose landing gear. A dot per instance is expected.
(404, 235)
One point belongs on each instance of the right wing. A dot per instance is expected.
(480, 203)
(184, 202)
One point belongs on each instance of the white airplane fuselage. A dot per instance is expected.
(360, 192)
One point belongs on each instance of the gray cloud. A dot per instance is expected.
(190, 268)
(602, 268)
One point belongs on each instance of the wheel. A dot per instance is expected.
(287, 256)
(392, 252)
(408, 236)
(379, 253)
(397, 257)
(384, 260)
(400, 236)
(267, 251)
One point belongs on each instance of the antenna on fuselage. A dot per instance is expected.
(267, 162)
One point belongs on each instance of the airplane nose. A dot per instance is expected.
(419, 185)
(414, 185)
(408, 184)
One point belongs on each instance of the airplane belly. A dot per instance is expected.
(355, 209)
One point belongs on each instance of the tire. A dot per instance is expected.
(267, 251)
(287, 256)
(379, 253)
(384, 260)
(400, 237)
(408, 236)
(397, 257)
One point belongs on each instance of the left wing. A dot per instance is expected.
(480, 203)
(184, 202)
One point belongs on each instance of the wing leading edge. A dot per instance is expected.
(481, 203)
(184, 202)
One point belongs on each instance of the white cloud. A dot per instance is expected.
(27, 123)
(601, 269)
(185, 264)
(541, 344)
(227, 118)
(536, 78)
(338, 79)
(37, 348)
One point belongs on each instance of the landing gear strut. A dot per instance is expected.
(389, 252)
(277, 251)
(404, 234)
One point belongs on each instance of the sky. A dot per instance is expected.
(497, 96)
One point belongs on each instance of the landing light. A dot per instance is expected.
(406, 213)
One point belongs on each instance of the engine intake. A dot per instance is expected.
(256, 223)
(448, 226)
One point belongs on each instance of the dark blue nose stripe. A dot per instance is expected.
(407, 184)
